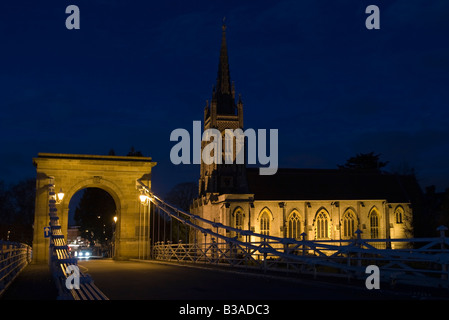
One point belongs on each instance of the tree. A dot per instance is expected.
(6, 211)
(364, 162)
(17, 211)
(181, 196)
(94, 214)
(24, 197)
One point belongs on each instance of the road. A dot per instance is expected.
(132, 280)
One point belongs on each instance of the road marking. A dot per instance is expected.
(85, 269)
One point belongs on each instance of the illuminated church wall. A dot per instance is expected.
(319, 220)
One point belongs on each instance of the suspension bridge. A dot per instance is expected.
(168, 234)
(423, 262)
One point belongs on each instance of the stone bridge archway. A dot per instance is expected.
(117, 175)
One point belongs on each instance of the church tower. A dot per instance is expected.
(223, 112)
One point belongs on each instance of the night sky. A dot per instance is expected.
(137, 70)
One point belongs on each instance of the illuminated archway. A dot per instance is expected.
(116, 175)
(91, 217)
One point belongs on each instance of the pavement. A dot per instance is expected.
(33, 283)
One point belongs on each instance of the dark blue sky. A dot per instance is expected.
(136, 70)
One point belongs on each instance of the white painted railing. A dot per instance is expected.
(13, 258)
(62, 266)
(424, 265)
(420, 261)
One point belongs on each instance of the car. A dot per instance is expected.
(83, 253)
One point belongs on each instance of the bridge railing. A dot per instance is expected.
(14, 257)
(63, 267)
(424, 264)
(415, 261)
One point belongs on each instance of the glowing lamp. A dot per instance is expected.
(60, 195)
(144, 198)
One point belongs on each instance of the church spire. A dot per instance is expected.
(223, 77)
(223, 90)
(223, 112)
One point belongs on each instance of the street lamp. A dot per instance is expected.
(60, 196)
(114, 237)
(144, 199)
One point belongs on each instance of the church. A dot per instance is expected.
(323, 204)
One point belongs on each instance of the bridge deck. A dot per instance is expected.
(132, 280)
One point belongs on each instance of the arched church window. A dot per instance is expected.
(265, 223)
(238, 218)
(374, 224)
(294, 225)
(349, 221)
(399, 213)
(322, 225)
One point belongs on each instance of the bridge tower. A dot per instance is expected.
(117, 175)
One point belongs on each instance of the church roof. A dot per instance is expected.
(331, 184)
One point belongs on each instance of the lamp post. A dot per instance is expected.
(113, 235)
(144, 229)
